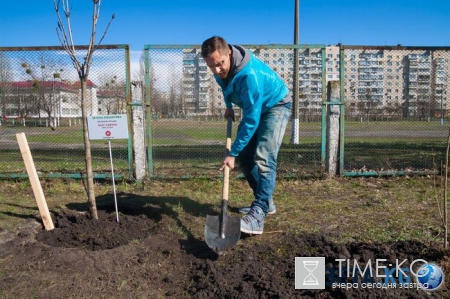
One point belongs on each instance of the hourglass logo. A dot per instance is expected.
(310, 273)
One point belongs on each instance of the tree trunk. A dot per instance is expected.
(88, 156)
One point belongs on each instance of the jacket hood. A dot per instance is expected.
(240, 58)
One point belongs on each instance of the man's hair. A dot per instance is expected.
(215, 43)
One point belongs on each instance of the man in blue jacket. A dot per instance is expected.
(266, 106)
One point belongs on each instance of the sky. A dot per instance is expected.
(145, 22)
(138, 23)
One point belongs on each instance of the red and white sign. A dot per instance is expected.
(108, 127)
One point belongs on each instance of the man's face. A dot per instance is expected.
(219, 64)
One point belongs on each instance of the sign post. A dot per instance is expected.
(107, 127)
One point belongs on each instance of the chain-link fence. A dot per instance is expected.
(394, 104)
(396, 107)
(187, 108)
(40, 96)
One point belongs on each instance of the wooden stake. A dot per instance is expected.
(34, 180)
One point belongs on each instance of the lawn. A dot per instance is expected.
(192, 148)
(361, 209)
(157, 249)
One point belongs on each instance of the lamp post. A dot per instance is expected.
(295, 120)
(56, 105)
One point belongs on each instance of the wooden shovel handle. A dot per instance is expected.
(226, 169)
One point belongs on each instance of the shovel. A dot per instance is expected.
(222, 232)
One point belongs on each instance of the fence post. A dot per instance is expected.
(138, 133)
(333, 128)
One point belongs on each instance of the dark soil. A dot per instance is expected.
(138, 257)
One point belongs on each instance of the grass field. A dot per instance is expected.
(163, 221)
(357, 209)
(194, 148)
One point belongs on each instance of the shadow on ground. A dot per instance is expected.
(156, 250)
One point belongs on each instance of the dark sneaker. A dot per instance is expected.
(272, 209)
(253, 222)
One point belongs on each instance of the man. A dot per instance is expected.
(266, 105)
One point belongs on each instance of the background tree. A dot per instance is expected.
(5, 80)
(174, 106)
(393, 109)
(64, 32)
(139, 80)
(112, 93)
(45, 87)
(367, 104)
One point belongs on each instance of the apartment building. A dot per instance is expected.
(202, 95)
(397, 82)
(405, 83)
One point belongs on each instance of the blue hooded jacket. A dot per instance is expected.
(255, 88)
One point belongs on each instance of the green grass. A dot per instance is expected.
(348, 210)
(375, 125)
(186, 147)
(69, 139)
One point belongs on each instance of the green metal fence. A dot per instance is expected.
(393, 103)
(186, 124)
(40, 96)
(396, 108)
(393, 108)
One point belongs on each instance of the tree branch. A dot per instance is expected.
(91, 48)
(65, 35)
(106, 30)
(62, 34)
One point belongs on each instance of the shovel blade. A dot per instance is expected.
(222, 239)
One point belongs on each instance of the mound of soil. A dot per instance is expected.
(138, 257)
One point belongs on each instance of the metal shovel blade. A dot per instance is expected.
(222, 232)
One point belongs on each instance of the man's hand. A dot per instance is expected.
(229, 161)
(229, 112)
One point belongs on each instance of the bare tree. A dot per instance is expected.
(112, 94)
(139, 80)
(44, 89)
(392, 109)
(5, 76)
(64, 32)
(367, 103)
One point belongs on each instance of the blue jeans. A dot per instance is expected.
(258, 160)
